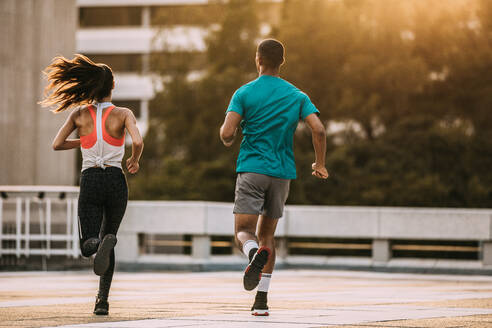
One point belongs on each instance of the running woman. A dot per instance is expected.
(268, 110)
(86, 87)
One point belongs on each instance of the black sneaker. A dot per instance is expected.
(102, 306)
(252, 253)
(101, 261)
(260, 308)
(252, 274)
(90, 246)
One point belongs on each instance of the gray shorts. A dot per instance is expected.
(260, 194)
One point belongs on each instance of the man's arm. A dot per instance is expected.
(319, 142)
(132, 164)
(228, 130)
(61, 142)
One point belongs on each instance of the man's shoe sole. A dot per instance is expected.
(101, 261)
(252, 274)
(260, 313)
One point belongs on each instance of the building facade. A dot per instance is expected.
(32, 32)
(122, 33)
(125, 33)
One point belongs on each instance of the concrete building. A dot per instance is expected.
(32, 32)
(122, 33)
(125, 33)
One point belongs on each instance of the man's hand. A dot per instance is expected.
(132, 165)
(319, 142)
(319, 171)
(228, 130)
(228, 143)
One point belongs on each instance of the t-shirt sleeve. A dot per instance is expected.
(236, 105)
(307, 107)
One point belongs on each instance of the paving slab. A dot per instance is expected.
(297, 298)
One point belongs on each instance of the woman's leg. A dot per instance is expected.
(114, 210)
(90, 212)
(106, 279)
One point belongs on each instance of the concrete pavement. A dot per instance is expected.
(215, 299)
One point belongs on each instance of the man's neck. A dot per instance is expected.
(269, 71)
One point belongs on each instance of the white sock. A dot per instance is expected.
(248, 246)
(264, 282)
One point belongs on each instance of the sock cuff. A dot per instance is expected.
(249, 245)
(264, 284)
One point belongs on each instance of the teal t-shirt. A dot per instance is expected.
(270, 108)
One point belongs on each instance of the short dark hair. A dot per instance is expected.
(272, 52)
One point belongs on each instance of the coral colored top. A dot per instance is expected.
(99, 149)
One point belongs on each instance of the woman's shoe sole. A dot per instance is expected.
(101, 261)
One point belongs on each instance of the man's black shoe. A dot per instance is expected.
(252, 274)
(260, 308)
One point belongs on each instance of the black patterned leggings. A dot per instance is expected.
(102, 204)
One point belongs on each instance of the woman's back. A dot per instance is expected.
(101, 128)
(114, 124)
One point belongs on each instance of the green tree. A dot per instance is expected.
(184, 158)
(413, 78)
(410, 83)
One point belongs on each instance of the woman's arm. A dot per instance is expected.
(137, 143)
(61, 142)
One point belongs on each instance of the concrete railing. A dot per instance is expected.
(35, 218)
(203, 220)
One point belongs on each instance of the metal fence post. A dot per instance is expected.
(48, 227)
(18, 225)
(75, 229)
(27, 227)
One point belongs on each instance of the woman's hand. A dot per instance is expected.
(132, 165)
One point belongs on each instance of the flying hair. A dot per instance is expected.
(75, 82)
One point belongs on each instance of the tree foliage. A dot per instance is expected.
(404, 87)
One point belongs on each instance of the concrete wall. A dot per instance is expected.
(382, 225)
(203, 220)
(32, 32)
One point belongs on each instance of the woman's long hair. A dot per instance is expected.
(76, 82)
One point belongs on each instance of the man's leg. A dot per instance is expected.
(266, 231)
(258, 254)
(275, 198)
(245, 233)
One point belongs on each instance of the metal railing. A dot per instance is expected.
(29, 225)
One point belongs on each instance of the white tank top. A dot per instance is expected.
(99, 149)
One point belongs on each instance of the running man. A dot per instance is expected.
(268, 110)
(87, 87)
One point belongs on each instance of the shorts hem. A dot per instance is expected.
(240, 212)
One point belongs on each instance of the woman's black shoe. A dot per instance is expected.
(101, 261)
(102, 307)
